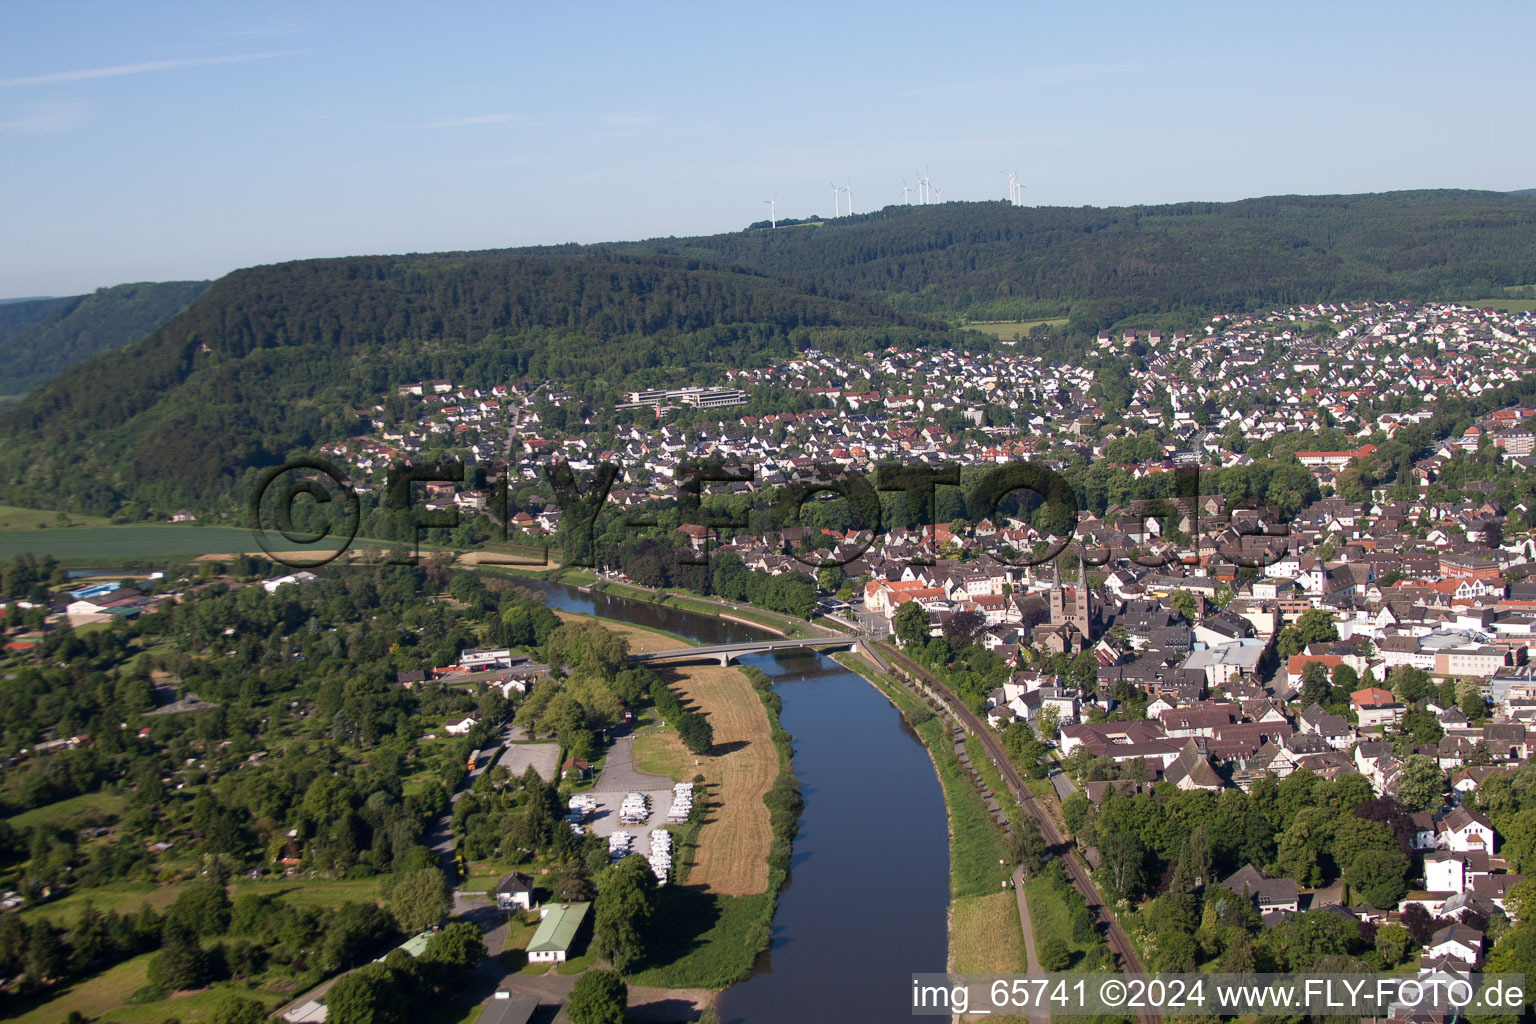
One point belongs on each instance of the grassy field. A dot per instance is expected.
(127, 542)
(1008, 330)
(986, 937)
(704, 939)
(1513, 305)
(119, 897)
(13, 518)
(641, 640)
(1048, 915)
(76, 811)
(129, 896)
(732, 854)
(97, 995)
(311, 893)
(105, 996)
(976, 843)
(106, 543)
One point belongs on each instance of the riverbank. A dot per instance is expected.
(731, 611)
(985, 935)
(717, 920)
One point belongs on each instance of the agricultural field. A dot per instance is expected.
(13, 518)
(1513, 305)
(106, 543)
(1010, 330)
(732, 856)
(89, 808)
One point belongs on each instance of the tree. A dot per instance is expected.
(1314, 684)
(1047, 718)
(182, 962)
(911, 625)
(1124, 859)
(961, 626)
(1420, 783)
(1186, 604)
(1297, 848)
(233, 1009)
(1027, 846)
(1473, 706)
(599, 997)
(366, 996)
(1379, 876)
(203, 907)
(1420, 925)
(419, 900)
(1392, 943)
(45, 955)
(1053, 953)
(621, 914)
(458, 948)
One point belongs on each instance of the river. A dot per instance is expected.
(869, 880)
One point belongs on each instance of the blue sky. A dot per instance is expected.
(155, 141)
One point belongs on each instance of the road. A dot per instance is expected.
(1119, 942)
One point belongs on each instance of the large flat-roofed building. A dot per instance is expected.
(699, 398)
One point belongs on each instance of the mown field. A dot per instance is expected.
(105, 996)
(732, 856)
(1009, 330)
(13, 518)
(106, 543)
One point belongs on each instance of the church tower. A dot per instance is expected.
(1081, 615)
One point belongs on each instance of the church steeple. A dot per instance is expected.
(1081, 616)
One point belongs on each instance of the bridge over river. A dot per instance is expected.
(727, 653)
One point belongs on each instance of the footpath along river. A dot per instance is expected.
(869, 880)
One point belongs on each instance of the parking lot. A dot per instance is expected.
(545, 758)
(619, 778)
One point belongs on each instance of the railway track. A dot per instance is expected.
(1119, 943)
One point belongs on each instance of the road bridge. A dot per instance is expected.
(727, 653)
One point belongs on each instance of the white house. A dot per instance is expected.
(462, 726)
(1458, 941)
(1464, 831)
(1445, 871)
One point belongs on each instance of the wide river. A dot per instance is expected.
(869, 882)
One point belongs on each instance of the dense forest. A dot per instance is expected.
(1099, 265)
(41, 338)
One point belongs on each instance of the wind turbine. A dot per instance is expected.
(922, 189)
(837, 200)
(773, 212)
(849, 190)
(1012, 184)
(906, 193)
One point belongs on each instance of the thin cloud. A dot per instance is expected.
(476, 119)
(53, 119)
(119, 70)
(630, 120)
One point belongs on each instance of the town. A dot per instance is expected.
(1367, 614)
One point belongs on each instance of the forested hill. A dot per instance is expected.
(40, 338)
(281, 358)
(996, 261)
